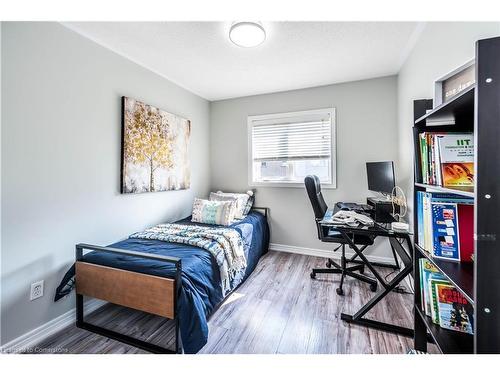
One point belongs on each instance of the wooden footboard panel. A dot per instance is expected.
(148, 293)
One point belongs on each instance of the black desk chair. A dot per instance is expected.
(325, 234)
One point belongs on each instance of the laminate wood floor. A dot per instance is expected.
(279, 309)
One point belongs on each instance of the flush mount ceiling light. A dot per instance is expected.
(247, 34)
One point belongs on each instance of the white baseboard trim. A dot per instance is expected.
(37, 335)
(325, 253)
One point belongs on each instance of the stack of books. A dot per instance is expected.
(446, 306)
(446, 225)
(447, 159)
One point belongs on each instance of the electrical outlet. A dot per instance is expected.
(36, 290)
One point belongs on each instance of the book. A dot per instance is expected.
(454, 311)
(466, 232)
(453, 198)
(428, 229)
(437, 160)
(428, 271)
(420, 217)
(433, 298)
(445, 231)
(430, 159)
(423, 158)
(456, 159)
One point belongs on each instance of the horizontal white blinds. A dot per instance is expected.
(285, 139)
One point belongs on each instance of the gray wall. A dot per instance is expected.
(366, 130)
(61, 138)
(442, 47)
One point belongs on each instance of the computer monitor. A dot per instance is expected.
(381, 176)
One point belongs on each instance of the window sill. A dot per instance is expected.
(288, 185)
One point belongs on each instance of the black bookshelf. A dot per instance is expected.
(460, 109)
(475, 110)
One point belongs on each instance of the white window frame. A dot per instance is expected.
(333, 163)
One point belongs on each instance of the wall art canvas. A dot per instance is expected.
(155, 149)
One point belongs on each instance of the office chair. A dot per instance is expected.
(330, 235)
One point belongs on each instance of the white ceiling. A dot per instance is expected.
(199, 56)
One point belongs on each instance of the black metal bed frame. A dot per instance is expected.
(141, 344)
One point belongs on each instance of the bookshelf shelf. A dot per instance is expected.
(449, 342)
(460, 109)
(466, 191)
(461, 275)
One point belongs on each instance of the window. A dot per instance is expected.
(286, 147)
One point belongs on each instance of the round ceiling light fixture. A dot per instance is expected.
(247, 34)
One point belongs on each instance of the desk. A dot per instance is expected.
(397, 241)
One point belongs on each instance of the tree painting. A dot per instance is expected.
(155, 149)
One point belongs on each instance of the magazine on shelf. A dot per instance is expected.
(434, 299)
(455, 312)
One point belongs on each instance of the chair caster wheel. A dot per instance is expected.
(340, 292)
(313, 275)
(373, 287)
(328, 264)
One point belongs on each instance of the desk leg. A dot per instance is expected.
(381, 294)
(357, 318)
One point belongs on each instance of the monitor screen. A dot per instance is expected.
(380, 176)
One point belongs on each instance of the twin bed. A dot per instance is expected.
(174, 280)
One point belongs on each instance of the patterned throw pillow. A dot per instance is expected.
(244, 201)
(216, 197)
(213, 212)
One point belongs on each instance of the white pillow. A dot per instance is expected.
(213, 212)
(240, 200)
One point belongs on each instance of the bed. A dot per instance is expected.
(172, 280)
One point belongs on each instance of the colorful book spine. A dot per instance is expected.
(423, 158)
(428, 228)
(420, 217)
(428, 272)
(431, 159)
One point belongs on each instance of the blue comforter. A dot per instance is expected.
(201, 289)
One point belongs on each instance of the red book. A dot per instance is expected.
(466, 231)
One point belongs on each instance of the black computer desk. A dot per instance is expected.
(397, 241)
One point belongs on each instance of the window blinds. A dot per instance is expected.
(292, 138)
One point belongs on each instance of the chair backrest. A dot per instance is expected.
(313, 188)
